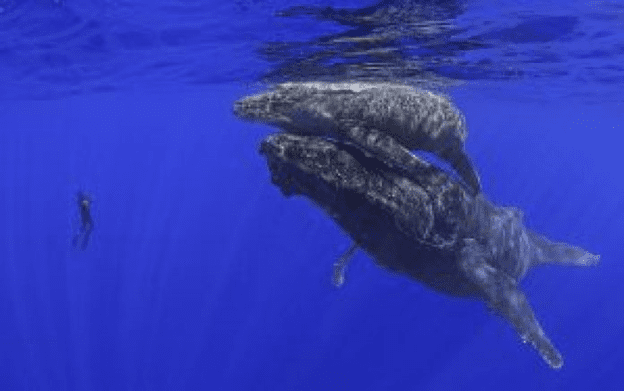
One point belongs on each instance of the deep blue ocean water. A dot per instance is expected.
(200, 275)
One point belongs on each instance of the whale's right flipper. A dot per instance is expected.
(502, 294)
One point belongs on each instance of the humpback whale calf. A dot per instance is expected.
(425, 225)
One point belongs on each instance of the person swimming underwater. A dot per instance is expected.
(84, 206)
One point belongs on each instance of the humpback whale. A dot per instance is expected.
(413, 118)
(417, 221)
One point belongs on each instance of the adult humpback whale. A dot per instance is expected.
(424, 225)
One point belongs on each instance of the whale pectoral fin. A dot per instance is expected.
(340, 266)
(502, 293)
(383, 147)
(546, 251)
(462, 164)
(466, 170)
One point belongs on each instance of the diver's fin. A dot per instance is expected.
(87, 232)
(340, 266)
(546, 251)
(502, 294)
(85, 240)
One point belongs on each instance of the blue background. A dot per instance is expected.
(201, 275)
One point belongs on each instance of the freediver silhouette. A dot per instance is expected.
(84, 205)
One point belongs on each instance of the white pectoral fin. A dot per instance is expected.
(546, 251)
(501, 292)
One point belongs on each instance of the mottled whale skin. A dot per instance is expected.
(430, 229)
(412, 118)
(346, 146)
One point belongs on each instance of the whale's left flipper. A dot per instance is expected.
(502, 293)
